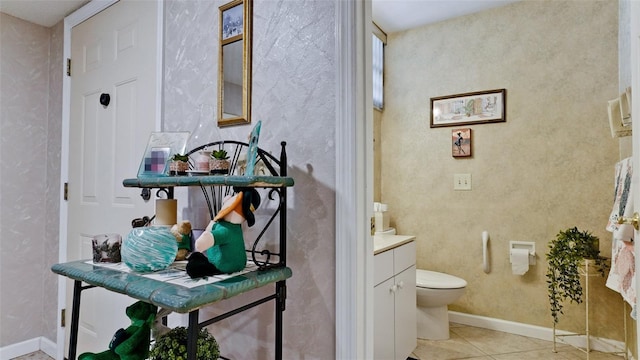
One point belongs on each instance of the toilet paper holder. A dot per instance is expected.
(528, 245)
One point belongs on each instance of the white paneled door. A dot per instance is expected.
(113, 54)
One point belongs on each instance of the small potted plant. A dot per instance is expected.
(179, 164)
(173, 346)
(219, 163)
(567, 253)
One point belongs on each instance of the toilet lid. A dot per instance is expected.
(437, 280)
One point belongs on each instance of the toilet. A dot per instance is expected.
(434, 291)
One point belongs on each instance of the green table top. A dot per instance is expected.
(208, 180)
(165, 294)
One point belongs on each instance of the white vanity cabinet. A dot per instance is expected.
(394, 302)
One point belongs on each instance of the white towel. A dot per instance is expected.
(622, 273)
(622, 194)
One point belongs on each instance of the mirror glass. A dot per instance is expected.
(234, 75)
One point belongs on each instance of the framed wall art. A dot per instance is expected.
(470, 108)
(232, 18)
(160, 148)
(461, 142)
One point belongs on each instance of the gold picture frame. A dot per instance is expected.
(234, 63)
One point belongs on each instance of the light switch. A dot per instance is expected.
(461, 181)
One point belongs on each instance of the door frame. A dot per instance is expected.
(90, 9)
(354, 189)
(635, 109)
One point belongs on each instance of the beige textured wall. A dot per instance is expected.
(30, 123)
(548, 168)
(293, 93)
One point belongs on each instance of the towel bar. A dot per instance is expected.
(631, 221)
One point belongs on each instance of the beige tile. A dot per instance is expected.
(38, 355)
(496, 342)
(454, 348)
(469, 342)
(546, 354)
(575, 354)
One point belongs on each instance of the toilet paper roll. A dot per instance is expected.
(519, 261)
(166, 211)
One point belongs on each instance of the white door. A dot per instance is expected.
(114, 53)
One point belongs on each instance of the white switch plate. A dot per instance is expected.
(461, 181)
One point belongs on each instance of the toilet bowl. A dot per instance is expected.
(434, 291)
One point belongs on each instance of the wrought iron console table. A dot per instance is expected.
(271, 264)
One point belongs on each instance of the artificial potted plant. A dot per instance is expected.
(567, 253)
(219, 163)
(173, 346)
(179, 164)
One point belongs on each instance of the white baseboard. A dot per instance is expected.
(537, 332)
(48, 347)
(28, 346)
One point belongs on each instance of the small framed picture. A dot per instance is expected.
(461, 142)
(160, 148)
(232, 19)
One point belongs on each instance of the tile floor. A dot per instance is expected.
(474, 343)
(38, 355)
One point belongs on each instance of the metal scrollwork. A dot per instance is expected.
(265, 261)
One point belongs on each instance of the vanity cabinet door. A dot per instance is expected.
(383, 321)
(405, 311)
(394, 303)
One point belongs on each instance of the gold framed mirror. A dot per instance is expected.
(234, 63)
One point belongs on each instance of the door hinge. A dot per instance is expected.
(66, 191)
(63, 314)
(68, 66)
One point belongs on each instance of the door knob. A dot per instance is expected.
(105, 99)
(630, 221)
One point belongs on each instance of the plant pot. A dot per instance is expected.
(173, 345)
(219, 166)
(202, 158)
(178, 167)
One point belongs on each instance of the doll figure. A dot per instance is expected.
(220, 249)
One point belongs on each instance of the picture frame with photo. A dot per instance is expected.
(232, 19)
(479, 107)
(160, 148)
(461, 142)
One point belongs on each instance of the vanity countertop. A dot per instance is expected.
(382, 243)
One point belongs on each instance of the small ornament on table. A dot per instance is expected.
(220, 249)
(182, 232)
(106, 248)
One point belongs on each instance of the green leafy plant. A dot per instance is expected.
(566, 255)
(173, 346)
(219, 154)
(180, 157)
